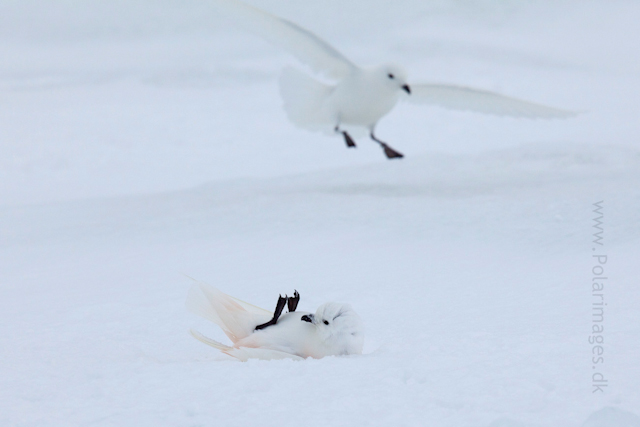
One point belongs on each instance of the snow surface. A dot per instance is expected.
(141, 142)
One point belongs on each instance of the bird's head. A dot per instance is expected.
(394, 77)
(338, 324)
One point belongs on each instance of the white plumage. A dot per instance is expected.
(334, 329)
(359, 97)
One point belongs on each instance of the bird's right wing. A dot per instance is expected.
(481, 101)
(301, 43)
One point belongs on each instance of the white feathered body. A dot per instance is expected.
(360, 99)
(363, 97)
(290, 337)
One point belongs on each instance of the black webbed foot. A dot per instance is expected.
(348, 140)
(292, 302)
(388, 151)
(276, 314)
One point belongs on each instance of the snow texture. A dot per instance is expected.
(143, 142)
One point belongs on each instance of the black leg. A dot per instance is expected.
(292, 302)
(347, 138)
(388, 151)
(276, 314)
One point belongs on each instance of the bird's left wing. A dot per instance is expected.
(481, 101)
(301, 43)
(245, 353)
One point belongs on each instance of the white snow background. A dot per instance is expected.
(144, 141)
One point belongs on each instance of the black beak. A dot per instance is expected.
(407, 89)
(307, 318)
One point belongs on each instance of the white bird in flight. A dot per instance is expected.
(359, 97)
(333, 330)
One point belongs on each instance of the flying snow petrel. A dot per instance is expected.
(357, 98)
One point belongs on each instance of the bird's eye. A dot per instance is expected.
(326, 322)
(391, 76)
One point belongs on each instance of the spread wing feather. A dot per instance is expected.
(301, 43)
(244, 353)
(481, 101)
(237, 318)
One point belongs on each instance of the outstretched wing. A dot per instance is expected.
(245, 353)
(303, 44)
(236, 318)
(481, 101)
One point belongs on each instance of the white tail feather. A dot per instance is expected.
(304, 98)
